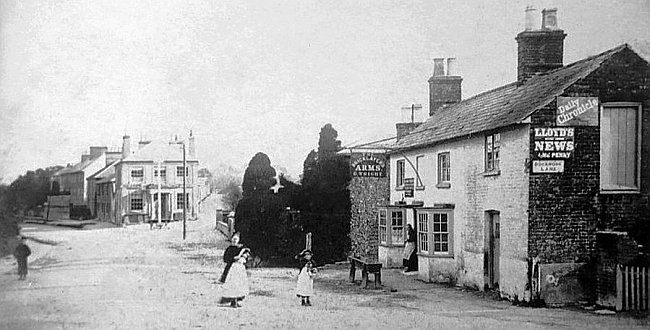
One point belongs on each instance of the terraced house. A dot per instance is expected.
(527, 188)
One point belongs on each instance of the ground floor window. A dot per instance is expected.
(391, 226)
(180, 202)
(435, 232)
(136, 202)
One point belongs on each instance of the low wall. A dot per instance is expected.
(566, 283)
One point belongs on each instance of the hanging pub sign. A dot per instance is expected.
(369, 165)
(409, 185)
(577, 111)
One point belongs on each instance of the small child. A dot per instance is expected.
(308, 270)
(21, 253)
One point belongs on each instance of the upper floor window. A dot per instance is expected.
(620, 145)
(392, 226)
(137, 172)
(400, 173)
(492, 148)
(160, 171)
(444, 170)
(420, 169)
(179, 171)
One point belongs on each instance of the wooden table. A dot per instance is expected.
(366, 268)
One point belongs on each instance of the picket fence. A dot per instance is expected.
(632, 288)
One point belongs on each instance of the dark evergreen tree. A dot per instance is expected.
(325, 206)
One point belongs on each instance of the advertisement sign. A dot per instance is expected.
(409, 185)
(553, 142)
(369, 165)
(548, 166)
(577, 111)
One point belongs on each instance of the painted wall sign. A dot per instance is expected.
(369, 165)
(577, 111)
(553, 142)
(548, 166)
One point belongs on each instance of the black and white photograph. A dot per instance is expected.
(301, 164)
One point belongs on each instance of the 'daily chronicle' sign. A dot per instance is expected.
(369, 165)
(577, 111)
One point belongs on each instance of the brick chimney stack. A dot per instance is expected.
(191, 148)
(444, 89)
(126, 146)
(539, 50)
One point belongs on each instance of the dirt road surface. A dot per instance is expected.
(137, 278)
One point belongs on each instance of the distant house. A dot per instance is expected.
(152, 173)
(101, 192)
(73, 179)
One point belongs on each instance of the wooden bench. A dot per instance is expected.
(366, 267)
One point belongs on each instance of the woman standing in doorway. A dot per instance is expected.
(410, 257)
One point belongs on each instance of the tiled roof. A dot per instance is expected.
(104, 172)
(159, 151)
(503, 106)
(76, 167)
(382, 145)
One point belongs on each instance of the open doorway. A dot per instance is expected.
(492, 249)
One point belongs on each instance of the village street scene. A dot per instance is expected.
(153, 279)
(283, 165)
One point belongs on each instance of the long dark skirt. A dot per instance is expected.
(22, 266)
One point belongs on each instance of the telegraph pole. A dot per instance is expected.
(184, 192)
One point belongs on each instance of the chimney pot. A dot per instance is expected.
(549, 19)
(531, 18)
(438, 67)
(452, 67)
(126, 146)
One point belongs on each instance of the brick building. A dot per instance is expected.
(509, 189)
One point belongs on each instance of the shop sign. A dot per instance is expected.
(577, 111)
(548, 166)
(369, 165)
(553, 142)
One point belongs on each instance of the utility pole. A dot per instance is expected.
(184, 187)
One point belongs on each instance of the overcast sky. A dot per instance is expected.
(250, 76)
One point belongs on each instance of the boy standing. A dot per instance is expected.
(21, 253)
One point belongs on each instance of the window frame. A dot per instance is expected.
(180, 200)
(133, 199)
(400, 172)
(138, 169)
(442, 183)
(160, 169)
(419, 172)
(179, 169)
(614, 188)
(430, 233)
(490, 149)
(389, 229)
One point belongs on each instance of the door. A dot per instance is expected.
(492, 249)
(165, 211)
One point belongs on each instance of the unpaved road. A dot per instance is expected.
(136, 278)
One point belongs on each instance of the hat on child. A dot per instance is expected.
(304, 252)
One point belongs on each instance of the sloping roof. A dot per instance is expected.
(383, 145)
(76, 167)
(503, 106)
(158, 151)
(104, 172)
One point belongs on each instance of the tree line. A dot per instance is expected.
(274, 217)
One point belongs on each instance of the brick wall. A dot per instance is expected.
(366, 195)
(566, 209)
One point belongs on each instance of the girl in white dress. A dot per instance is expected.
(305, 285)
(235, 288)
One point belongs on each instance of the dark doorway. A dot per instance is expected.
(165, 210)
(492, 249)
